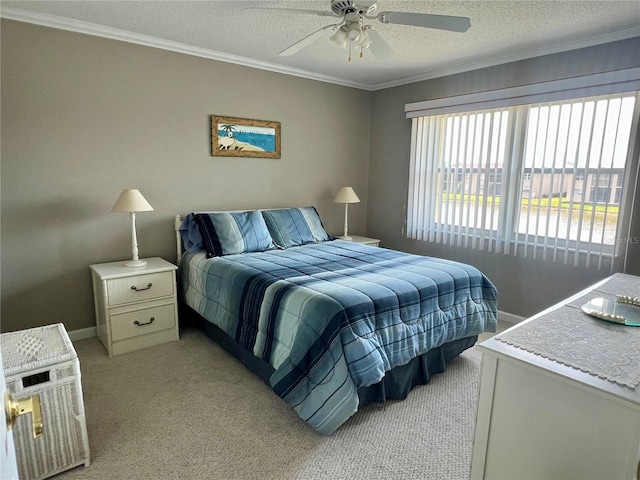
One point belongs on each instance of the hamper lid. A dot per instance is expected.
(35, 348)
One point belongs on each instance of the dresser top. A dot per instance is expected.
(567, 341)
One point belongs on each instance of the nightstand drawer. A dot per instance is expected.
(140, 287)
(142, 322)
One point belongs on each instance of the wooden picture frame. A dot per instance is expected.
(243, 137)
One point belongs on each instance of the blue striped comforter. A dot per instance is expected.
(335, 316)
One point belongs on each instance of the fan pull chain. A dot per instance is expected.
(349, 53)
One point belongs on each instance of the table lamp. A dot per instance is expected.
(132, 201)
(346, 195)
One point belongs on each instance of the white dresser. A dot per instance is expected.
(135, 307)
(560, 395)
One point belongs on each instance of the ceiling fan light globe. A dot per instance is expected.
(340, 37)
(354, 33)
(353, 36)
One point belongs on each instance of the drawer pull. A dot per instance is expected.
(149, 285)
(147, 323)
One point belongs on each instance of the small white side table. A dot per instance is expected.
(365, 240)
(135, 307)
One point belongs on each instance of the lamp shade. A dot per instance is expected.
(346, 195)
(131, 201)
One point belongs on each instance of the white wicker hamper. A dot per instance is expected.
(43, 361)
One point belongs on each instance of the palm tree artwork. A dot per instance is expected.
(225, 142)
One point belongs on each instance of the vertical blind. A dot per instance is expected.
(544, 179)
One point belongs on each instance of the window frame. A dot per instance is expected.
(507, 238)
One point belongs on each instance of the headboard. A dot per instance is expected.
(178, 222)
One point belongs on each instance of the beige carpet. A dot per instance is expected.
(187, 410)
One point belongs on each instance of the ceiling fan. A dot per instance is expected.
(352, 32)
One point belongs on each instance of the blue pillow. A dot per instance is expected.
(295, 226)
(190, 233)
(232, 233)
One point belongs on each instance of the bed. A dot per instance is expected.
(328, 324)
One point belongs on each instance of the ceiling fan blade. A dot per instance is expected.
(318, 13)
(440, 22)
(306, 41)
(379, 48)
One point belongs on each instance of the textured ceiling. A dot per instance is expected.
(245, 32)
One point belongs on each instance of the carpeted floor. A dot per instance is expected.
(187, 410)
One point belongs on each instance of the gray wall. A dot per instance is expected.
(526, 286)
(84, 118)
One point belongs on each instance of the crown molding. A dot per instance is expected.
(492, 61)
(88, 28)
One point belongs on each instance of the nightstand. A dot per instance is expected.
(366, 240)
(135, 307)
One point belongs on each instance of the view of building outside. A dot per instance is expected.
(571, 172)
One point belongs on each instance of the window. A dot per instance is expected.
(538, 179)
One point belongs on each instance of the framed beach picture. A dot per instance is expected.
(242, 137)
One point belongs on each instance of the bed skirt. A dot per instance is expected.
(396, 384)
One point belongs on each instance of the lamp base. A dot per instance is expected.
(345, 237)
(135, 263)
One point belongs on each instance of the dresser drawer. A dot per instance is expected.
(139, 288)
(148, 320)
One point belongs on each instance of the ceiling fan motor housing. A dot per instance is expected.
(344, 7)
